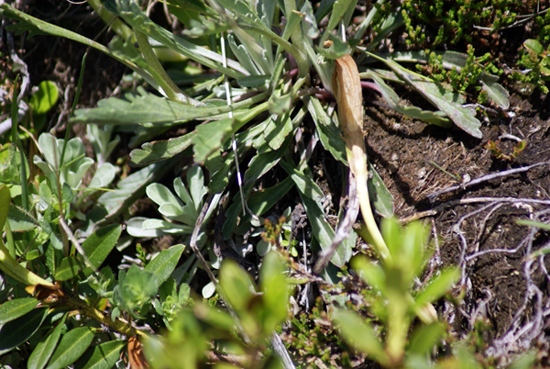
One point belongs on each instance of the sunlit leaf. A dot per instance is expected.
(164, 263)
(103, 356)
(13, 309)
(236, 283)
(72, 346)
(360, 335)
(99, 245)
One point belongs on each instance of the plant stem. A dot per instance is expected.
(112, 20)
(91, 312)
(12, 268)
(155, 68)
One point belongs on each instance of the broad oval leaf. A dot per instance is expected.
(44, 349)
(534, 46)
(13, 309)
(14, 333)
(103, 356)
(236, 284)
(45, 98)
(72, 346)
(164, 264)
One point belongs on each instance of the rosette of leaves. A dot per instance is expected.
(75, 161)
(180, 211)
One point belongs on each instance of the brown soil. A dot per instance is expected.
(475, 226)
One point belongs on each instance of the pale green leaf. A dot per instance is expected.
(152, 152)
(360, 335)
(236, 284)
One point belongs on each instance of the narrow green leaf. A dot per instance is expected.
(379, 194)
(438, 96)
(437, 287)
(311, 196)
(360, 335)
(14, 333)
(211, 136)
(412, 111)
(13, 309)
(424, 338)
(152, 152)
(103, 356)
(99, 245)
(164, 264)
(5, 200)
(328, 131)
(72, 346)
(44, 349)
(69, 268)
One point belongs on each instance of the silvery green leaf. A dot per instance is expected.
(495, 91)
(181, 191)
(208, 290)
(243, 56)
(103, 176)
(161, 195)
(170, 210)
(195, 181)
(393, 101)
(166, 227)
(309, 24)
(135, 228)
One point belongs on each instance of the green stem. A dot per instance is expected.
(12, 268)
(91, 312)
(112, 20)
(155, 68)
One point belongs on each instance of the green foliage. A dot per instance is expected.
(395, 303)
(260, 75)
(537, 64)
